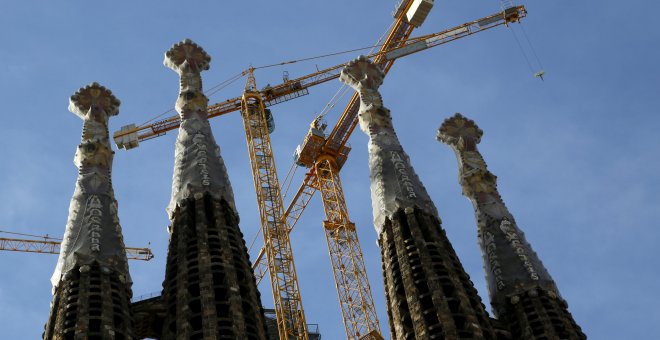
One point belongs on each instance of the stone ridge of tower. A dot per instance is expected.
(91, 283)
(397, 185)
(93, 232)
(198, 166)
(429, 295)
(522, 292)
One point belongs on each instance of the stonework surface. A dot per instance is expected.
(198, 167)
(394, 183)
(209, 290)
(429, 295)
(522, 293)
(148, 316)
(91, 283)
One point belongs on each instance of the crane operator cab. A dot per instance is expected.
(306, 153)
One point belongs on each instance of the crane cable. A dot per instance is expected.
(334, 100)
(289, 178)
(213, 90)
(507, 4)
(371, 48)
(341, 92)
(315, 57)
(229, 81)
(254, 239)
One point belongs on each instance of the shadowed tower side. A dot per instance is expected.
(429, 295)
(523, 295)
(91, 283)
(209, 289)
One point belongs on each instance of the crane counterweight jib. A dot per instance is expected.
(418, 11)
(127, 137)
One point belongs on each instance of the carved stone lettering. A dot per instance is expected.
(92, 221)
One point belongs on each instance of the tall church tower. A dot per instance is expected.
(209, 290)
(91, 283)
(523, 295)
(429, 295)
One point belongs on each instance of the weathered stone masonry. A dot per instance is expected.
(91, 283)
(429, 295)
(209, 290)
(523, 295)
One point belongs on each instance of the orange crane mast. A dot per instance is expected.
(284, 281)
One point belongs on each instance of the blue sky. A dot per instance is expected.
(576, 156)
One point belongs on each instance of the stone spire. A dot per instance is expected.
(522, 292)
(429, 295)
(209, 289)
(91, 283)
(198, 167)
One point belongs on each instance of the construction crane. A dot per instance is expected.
(325, 157)
(284, 282)
(130, 136)
(315, 142)
(351, 284)
(51, 245)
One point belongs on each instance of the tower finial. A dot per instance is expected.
(94, 99)
(459, 130)
(187, 54)
(188, 60)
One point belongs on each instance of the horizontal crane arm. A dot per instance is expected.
(130, 135)
(308, 188)
(53, 247)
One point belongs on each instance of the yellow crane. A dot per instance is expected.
(51, 245)
(284, 281)
(324, 157)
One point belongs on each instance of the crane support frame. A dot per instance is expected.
(284, 281)
(353, 289)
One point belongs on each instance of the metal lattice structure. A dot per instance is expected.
(328, 155)
(53, 247)
(286, 293)
(353, 289)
